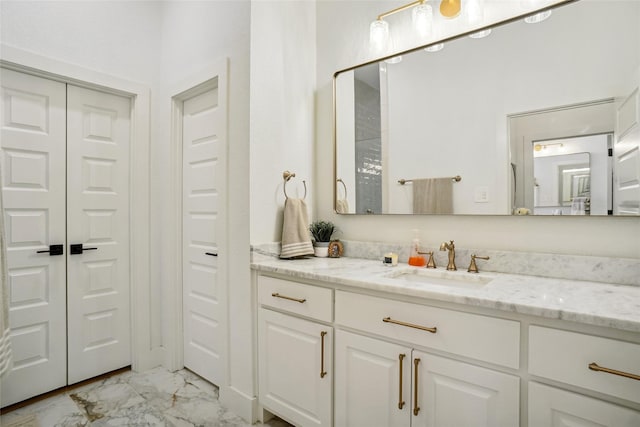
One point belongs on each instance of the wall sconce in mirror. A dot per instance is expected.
(380, 41)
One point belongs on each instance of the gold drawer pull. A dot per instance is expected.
(400, 401)
(594, 367)
(410, 325)
(416, 407)
(277, 295)
(322, 371)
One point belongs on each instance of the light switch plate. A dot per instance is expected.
(481, 195)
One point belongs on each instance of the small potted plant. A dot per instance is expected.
(321, 232)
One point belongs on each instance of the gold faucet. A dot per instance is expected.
(430, 263)
(473, 267)
(452, 254)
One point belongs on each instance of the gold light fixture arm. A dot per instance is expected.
(399, 9)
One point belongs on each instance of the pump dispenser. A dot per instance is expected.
(415, 258)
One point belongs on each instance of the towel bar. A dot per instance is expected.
(456, 178)
(286, 175)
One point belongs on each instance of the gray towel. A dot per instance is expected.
(433, 196)
(296, 239)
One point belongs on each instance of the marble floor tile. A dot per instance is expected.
(153, 398)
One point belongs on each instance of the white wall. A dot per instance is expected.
(342, 42)
(117, 38)
(194, 35)
(283, 76)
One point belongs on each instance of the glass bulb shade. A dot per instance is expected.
(379, 36)
(422, 16)
(394, 60)
(480, 34)
(435, 47)
(538, 17)
(475, 11)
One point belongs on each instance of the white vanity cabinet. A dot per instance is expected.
(599, 364)
(295, 354)
(383, 383)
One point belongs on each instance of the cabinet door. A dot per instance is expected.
(372, 387)
(295, 362)
(549, 406)
(452, 393)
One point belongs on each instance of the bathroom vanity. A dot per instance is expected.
(350, 342)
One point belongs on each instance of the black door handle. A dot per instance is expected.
(53, 250)
(210, 253)
(77, 249)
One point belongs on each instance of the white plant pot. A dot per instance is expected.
(321, 249)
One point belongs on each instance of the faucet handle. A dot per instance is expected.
(473, 267)
(430, 263)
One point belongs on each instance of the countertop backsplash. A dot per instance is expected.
(624, 271)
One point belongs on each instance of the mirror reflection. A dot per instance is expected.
(478, 108)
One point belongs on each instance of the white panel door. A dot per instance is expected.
(626, 158)
(444, 386)
(204, 178)
(373, 382)
(98, 143)
(33, 175)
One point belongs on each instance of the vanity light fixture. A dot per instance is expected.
(422, 18)
(394, 60)
(475, 11)
(537, 17)
(434, 47)
(450, 8)
(480, 34)
(539, 147)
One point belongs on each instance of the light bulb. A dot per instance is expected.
(394, 60)
(475, 11)
(538, 17)
(379, 37)
(435, 47)
(480, 34)
(422, 16)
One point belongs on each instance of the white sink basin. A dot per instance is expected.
(441, 277)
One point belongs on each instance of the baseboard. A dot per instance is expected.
(239, 403)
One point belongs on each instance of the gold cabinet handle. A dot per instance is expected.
(410, 325)
(594, 367)
(277, 295)
(322, 371)
(400, 401)
(416, 407)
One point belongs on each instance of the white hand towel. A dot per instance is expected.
(342, 206)
(296, 239)
(5, 344)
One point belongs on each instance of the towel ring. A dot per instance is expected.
(343, 185)
(286, 175)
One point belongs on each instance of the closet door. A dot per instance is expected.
(98, 294)
(204, 171)
(32, 164)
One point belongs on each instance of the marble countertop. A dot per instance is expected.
(593, 303)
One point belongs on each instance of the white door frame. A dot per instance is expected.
(143, 356)
(193, 85)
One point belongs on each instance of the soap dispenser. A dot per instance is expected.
(415, 257)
